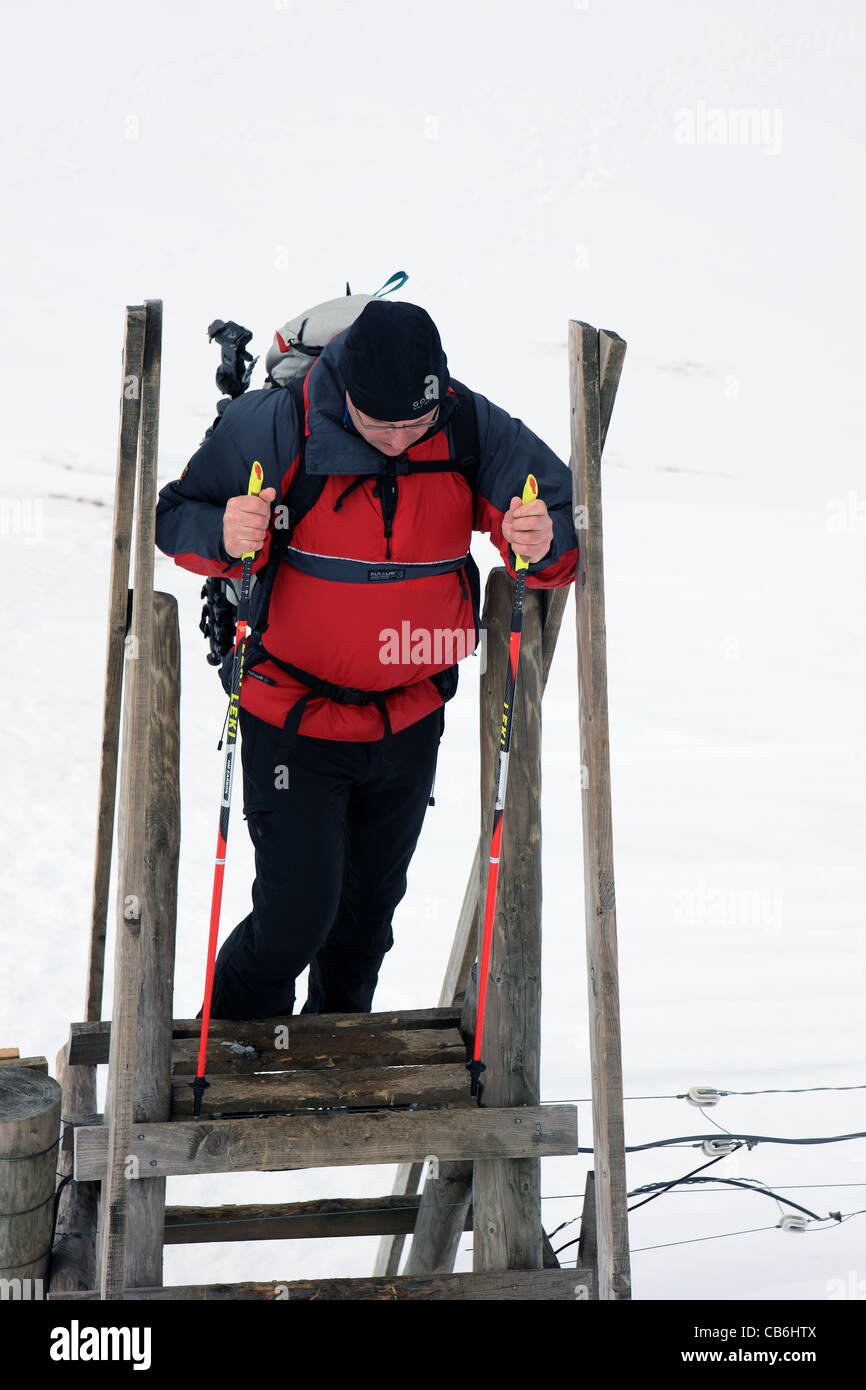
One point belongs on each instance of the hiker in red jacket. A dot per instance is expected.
(367, 598)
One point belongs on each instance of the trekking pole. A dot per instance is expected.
(200, 1084)
(476, 1066)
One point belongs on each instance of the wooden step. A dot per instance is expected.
(329, 1139)
(89, 1042)
(359, 1087)
(329, 1216)
(321, 1050)
(565, 1286)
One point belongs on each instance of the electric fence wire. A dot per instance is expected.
(683, 1095)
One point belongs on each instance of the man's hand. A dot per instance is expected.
(245, 522)
(528, 529)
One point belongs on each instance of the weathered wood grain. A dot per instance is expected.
(89, 1042)
(299, 1090)
(344, 1049)
(507, 1195)
(124, 492)
(332, 1140)
(73, 1259)
(129, 1239)
(600, 906)
(29, 1136)
(445, 1213)
(26, 1063)
(560, 1285)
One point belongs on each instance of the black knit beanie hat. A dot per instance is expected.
(392, 362)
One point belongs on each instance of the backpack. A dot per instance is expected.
(294, 350)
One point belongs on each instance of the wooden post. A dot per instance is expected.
(441, 1220)
(29, 1138)
(131, 1219)
(73, 1261)
(586, 356)
(124, 489)
(507, 1193)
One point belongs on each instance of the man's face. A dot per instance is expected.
(391, 437)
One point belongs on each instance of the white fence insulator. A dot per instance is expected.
(703, 1096)
(714, 1148)
(793, 1223)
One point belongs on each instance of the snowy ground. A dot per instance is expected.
(522, 175)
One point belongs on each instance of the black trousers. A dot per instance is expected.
(332, 850)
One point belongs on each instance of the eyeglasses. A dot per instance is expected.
(421, 425)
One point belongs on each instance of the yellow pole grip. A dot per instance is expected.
(530, 492)
(257, 477)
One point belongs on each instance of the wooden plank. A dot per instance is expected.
(29, 1135)
(322, 1051)
(587, 1246)
(560, 1285)
(73, 1259)
(89, 1042)
(26, 1064)
(8, 1054)
(611, 356)
(444, 1215)
(315, 1090)
(600, 907)
(507, 1195)
(129, 1249)
(328, 1217)
(328, 1140)
(124, 490)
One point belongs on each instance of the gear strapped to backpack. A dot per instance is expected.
(295, 349)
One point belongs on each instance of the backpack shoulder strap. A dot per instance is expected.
(302, 493)
(464, 431)
(305, 489)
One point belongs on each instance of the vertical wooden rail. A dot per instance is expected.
(129, 1244)
(73, 1259)
(507, 1192)
(124, 490)
(587, 356)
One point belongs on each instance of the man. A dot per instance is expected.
(350, 661)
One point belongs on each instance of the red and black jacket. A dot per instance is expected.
(370, 596)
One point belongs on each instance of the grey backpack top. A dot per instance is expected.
(301, 339)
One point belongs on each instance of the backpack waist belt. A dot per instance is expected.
(340, 694)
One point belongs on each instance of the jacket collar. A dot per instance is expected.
(331, 445)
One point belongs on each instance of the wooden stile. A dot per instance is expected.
(346, 1090)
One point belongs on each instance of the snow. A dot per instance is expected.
(524, 170)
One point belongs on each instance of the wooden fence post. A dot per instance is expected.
(131, 1219)
(73, 1260)
(29, 1138)
(124, 492)
(591, 356)
(507, 1192)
